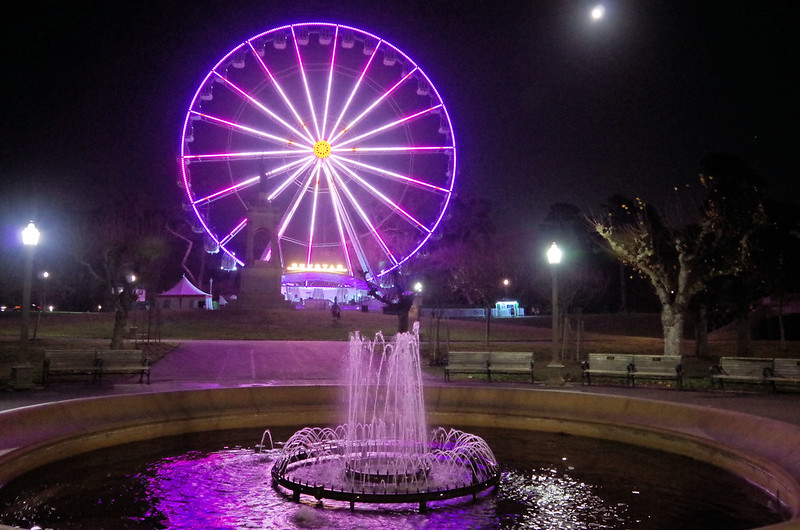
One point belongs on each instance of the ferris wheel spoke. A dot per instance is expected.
(391, 125)
(238, 228)
(244, 129)
(392, 150)
(365, 219)
(277, 86)
(305, 81)
(313, 213)
(386, 200)
(219, 194)
(253, 101)
(245, 155)
(330, 82)
(393, 175)
(288, 180)
(374, 104)
(298, 198)
(355, 240)
(227, 191)
(336, 206)
(353, 92)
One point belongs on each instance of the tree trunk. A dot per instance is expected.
(120, 323)
(123, 302)
(701, 332)
(672, 321)
(743, 335)
(488, 321)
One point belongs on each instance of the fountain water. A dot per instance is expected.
(383, 454)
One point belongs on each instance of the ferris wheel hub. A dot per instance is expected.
(322, 149)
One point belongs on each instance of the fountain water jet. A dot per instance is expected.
(383, 454)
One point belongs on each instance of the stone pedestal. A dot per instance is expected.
(555, 376)
(260, 288)
(22, 377)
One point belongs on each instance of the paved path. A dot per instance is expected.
(229, 363)
(217, 364)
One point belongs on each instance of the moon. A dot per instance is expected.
(598, 12)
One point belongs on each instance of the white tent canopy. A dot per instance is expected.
(184, 295)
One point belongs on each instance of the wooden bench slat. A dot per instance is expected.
(124, 362)
(784, 371)
(741, 369)
(484, 362)
(657, 367)
(466, 362)
(511, 363)
(607, 365)
(69, 362)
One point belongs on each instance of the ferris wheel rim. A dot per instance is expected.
(322, 144)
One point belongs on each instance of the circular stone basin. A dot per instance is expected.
(762, 451)
(215, 480)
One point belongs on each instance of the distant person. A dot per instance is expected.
(336, 311)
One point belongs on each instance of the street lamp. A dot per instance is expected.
(22, 372)
(506, 283)
(554, 258)
(42, 299)
(30, 238)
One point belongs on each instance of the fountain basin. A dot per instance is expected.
(765, 452)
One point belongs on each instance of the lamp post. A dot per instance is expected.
(22, 373)
(42, 300)
(506, 283)
(554, 258)
(30, 238)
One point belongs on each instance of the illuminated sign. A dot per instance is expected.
(317, 267)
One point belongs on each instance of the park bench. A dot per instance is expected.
(783, 371)
(607, 365)
(70, 362)
(466, 362)
(511, 363)
(657, 367)
(740, 370)
(124, 362)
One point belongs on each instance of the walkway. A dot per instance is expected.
(219, 364)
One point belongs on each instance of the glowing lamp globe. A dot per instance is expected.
(554, 254)
(30, 235)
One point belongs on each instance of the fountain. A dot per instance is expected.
(383, 453)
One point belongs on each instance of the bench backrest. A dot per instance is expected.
(610, 361)
(111, 358)
(70, 358)
(787, 367)
(745, 366)
(657, 363)
(511, 358)
(471, 358)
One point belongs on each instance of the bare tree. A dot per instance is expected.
(682, 259)
(121, 245)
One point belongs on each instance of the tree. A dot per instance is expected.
(736, 206)
(466, 258)
(681, 259)
(122, 245)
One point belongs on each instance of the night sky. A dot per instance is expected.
(548, 106)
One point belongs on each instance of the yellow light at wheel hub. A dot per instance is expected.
(322, 149)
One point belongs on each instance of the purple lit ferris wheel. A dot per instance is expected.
(338, 132)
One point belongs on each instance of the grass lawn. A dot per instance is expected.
(617, 334)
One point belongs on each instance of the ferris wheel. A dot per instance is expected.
(338, 131)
